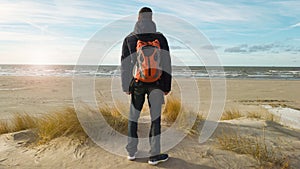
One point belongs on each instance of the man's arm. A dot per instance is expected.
(126, 67)
(166, 78)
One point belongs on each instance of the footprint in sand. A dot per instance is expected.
(78, 153)
(1, 160)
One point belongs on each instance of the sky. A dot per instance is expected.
(241, 32)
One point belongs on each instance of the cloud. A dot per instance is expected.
(295, 25)
(261, 48)
(289, 8)
(235, 50)
(19, 36)
(206, 47)
(210, 47)
(68, 21)
(68, 24)
(173, 47)
(55, 13)
(207, 11)
(272, 47)
(61, 18)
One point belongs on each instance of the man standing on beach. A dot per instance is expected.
(145, 47)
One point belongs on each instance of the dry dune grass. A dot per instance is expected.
(65, 122)
(257, 147)
(46, 127)
(172, 109)
(60, 123)
(264, 116)
(114, 118)
(4, 127)
(23, 122)
(254, 115)
(17, 123)
(231, 114)
(235, 114)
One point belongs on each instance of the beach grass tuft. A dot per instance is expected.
(257, 147)
(23, 122)
(17, 123)
(263, 116)
(172, 109)
(114, 118)
(61, 123)
(254, 115)
(195, 128)
(231, 114)
(4, 127)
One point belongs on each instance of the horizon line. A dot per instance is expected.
(28, 64)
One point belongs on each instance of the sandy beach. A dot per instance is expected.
(40, 95)
(43, 94)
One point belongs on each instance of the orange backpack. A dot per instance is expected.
(147, 67)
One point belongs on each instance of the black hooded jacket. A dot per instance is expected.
(145, 30)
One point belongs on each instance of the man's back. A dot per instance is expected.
(129, 57)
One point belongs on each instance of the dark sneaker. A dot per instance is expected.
(153, 160)
(131, 157)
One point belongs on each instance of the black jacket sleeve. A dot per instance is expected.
(166, 77)
(126, 67)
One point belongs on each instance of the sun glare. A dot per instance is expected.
(40, 56)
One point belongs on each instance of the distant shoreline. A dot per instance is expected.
(254, 66)
(197, 72)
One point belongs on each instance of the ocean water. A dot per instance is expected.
(288, 73)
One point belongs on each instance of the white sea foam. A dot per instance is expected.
(290, 73)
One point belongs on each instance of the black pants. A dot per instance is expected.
(155, 101)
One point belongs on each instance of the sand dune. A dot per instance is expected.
(64, 152)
